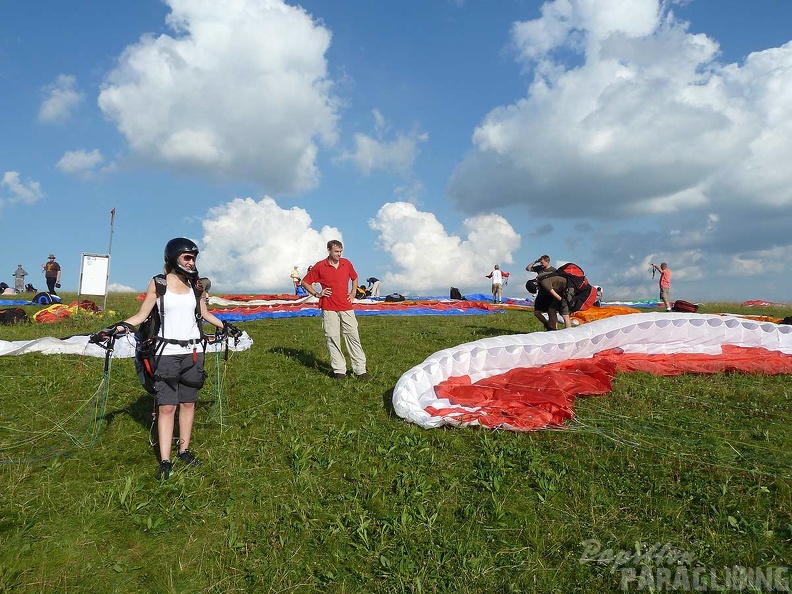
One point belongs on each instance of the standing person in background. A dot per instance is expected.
(295, 276)
(19, 279)
(498, 280)
(373, 286)
(665, 283)
(52, 274)
(334, 274)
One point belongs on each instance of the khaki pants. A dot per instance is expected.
(334, 324)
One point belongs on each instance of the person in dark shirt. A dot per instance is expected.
(52, 274)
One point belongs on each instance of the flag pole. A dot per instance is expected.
(109, 255)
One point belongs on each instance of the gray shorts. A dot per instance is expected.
(665, 294)
(179, 378)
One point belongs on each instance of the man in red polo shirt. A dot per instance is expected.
(338, 318)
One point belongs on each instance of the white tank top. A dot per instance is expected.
(179, 322)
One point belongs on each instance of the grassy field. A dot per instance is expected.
(313, 485)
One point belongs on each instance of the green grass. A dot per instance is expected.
(309, 485)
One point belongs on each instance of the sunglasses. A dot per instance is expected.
(188, 257)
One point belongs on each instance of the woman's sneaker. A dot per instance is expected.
(187, 458)
(164, 471)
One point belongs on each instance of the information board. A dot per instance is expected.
(94, 271)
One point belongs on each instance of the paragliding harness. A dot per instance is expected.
(580, 294)
(150, 344)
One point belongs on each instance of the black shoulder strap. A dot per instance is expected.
(161, 286)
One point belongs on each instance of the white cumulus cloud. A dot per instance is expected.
(377, 152)
(239, 88)
(249, 245)
(15, 189)
(426, 257)
(119, 288)
(80, 162)
(62, 97)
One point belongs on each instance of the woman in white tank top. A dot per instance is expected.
(179, 370)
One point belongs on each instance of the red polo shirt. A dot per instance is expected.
(335, 279)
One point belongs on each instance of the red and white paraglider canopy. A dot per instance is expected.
(529, 381)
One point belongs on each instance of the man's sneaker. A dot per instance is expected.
(164, 471)
(187, 458)
(339, 376)
(364, 376)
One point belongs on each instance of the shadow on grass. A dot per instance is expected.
(140, 411)
(387, 404)
(490, 332)
(304, 358)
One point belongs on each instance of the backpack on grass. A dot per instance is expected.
(684, 306)
(13, 315)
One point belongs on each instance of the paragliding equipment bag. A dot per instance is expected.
(14, 315)
(394, 298)
(580, 294)
(149, 343)
(684, 306)
(455, 294)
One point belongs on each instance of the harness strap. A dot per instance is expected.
(182, 343)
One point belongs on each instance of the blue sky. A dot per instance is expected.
(436, 138)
